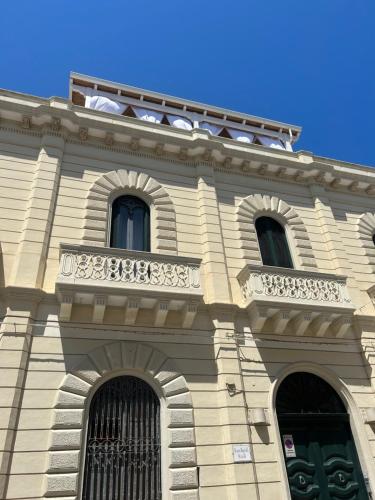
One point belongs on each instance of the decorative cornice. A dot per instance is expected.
(76, 125)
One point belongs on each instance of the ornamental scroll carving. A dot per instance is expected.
(142, 271)
(294, 287)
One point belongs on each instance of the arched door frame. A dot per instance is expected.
(355, 418)
(69, 422)
(163, 419)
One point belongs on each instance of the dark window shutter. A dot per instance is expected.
(272, 243)
(130, 228)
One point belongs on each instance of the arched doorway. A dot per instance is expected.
(319, 451)
(122, 459)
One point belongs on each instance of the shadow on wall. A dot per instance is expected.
(2, 276)
(175, 364)
(268, 354)
(245, 186)
(191, 351)
(2, 284)
(166, 172)
(194, 360)
(346, 364)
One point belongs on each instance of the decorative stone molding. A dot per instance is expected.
(291, 284)
(366, 231)
(130, 280)
(55, 124)
(294, 301)
(256, 204)
(66, 453)
(114, 183)
(110, 266)
(26, 121)
(371, 293)
(109, 139)
(301, 166)
(83, 133)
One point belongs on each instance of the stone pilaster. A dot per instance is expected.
(15, 344)
(330, 232)
(213, 263)
(231, 400)
(29, 266)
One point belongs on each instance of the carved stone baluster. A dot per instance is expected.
(169, 274)
(256, 285)
(128, 270)
(194, 277)
(142, 269)
(84, 266)
(344, 294)
(68, 265)
(156, 273)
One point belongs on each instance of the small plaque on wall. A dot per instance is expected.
(290, 451)
(241, 453)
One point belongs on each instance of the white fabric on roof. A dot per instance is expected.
(148, 115)
(270, 142)
(180, 122)
(240, 135)
(101, 103)
(288, 146)
(213, 129)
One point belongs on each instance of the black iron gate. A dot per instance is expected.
(123, 442)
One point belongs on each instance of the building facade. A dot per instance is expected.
(187, 304)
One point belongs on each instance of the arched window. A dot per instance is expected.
(373, 239)
(305, 393)
(123, 442)
(319, 451)
(130, 228)
(272, 243)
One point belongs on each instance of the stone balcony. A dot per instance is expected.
(139, 283)
(295, 302)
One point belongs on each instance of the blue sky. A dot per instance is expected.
(309, 63)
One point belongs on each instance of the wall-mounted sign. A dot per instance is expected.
(241, 453)
(290, 451)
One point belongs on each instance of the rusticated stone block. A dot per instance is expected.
(183, 479)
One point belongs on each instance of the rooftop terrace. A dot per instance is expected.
(154, 107)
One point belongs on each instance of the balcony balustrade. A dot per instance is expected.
(295, 302)
(131, 280)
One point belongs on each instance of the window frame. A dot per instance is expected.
(118, 194)
(288, 236)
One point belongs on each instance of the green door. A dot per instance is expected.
(326, 465)
(319, 451)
